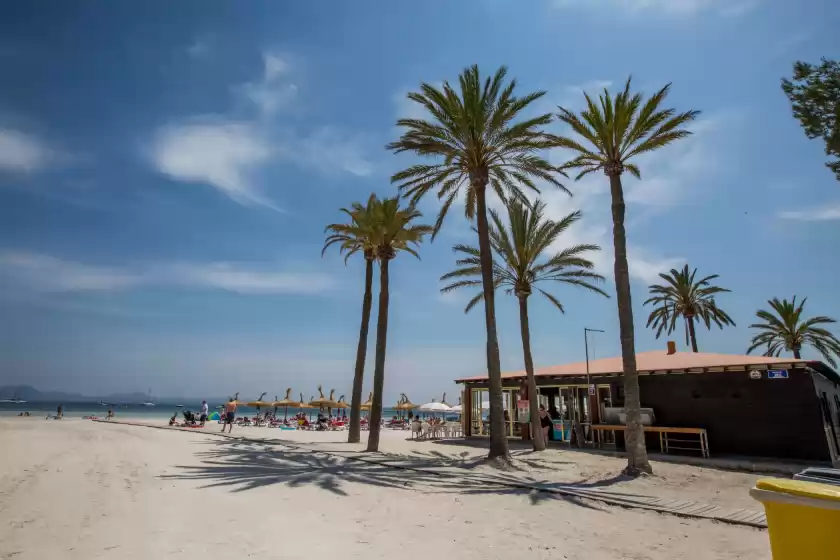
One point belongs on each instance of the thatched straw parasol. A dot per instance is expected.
(341, 403)
(322, 401)
(369, 404)
(259, 403)
(286, 403)
(405, 404)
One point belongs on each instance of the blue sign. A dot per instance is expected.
(777, 374)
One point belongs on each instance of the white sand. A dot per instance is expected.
(76, 489)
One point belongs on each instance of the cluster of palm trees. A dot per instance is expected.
(477, 140)
(783, 329)
(379, 230)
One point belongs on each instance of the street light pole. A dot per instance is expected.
(586, 332)
(589, 395)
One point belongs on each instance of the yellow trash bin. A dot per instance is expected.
(803, 518)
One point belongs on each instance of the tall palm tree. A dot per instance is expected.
(351, 238)
(477, 143)
(683, 296)
(521, 261)
(788, 331)
(611, 132)
(393, 232)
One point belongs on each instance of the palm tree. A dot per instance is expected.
(613, 132)
(522, 261)
(351, 238)
(393, 232)
(476, 144)
(683, 296)
(787, 330)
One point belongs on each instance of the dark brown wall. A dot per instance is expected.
(763, 417)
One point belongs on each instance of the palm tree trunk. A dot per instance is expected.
(498, 438)
(637, 459)
(379, 368)
(533, 409)
(361, 351)
(796, 353)
(691, 334)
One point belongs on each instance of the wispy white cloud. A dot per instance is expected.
(226, 153)
(217, 152)
(199, 48)
(818, 214)
(673, 8)
(34, 272)
(234, 278)
(21, 152)
(274, 66)
(44, 273)
(274, 91)
(405, 108)
(668, 175)
(646, 266)
(329, 150)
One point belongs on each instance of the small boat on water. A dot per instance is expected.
(149, 402)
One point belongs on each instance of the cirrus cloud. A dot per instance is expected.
(21, 152)
(40, 273)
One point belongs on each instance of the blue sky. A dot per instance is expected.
(167, 169)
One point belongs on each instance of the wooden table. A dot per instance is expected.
(666, 437)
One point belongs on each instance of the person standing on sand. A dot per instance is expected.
(230, 415)
(204, 413)
(545, 423)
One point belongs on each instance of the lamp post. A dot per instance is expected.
(586, 332)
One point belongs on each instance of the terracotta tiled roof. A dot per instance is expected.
(656, 361)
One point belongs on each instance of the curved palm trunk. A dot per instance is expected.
(379, 369)
(691, 334)
(533, 409)
(361, 351)
(637, 459)
(498, 438)
(796, 353)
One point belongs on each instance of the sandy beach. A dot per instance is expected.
(78, 489)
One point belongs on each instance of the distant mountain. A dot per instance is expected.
(32, 394)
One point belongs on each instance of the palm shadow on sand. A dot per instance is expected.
(246, 465)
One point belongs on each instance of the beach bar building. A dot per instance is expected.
(718, 404)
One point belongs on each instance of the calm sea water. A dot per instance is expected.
(159, 411)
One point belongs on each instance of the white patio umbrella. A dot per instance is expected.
(434, 407)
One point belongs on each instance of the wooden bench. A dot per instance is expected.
(667, 437)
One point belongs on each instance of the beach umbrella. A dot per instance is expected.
(322, 401)
(443, 401)
(342, 404)
(369, 404)
(286, 403)
(304, 404)
(457, 408)
(404, 404)
(435, 407)
(259, 403)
